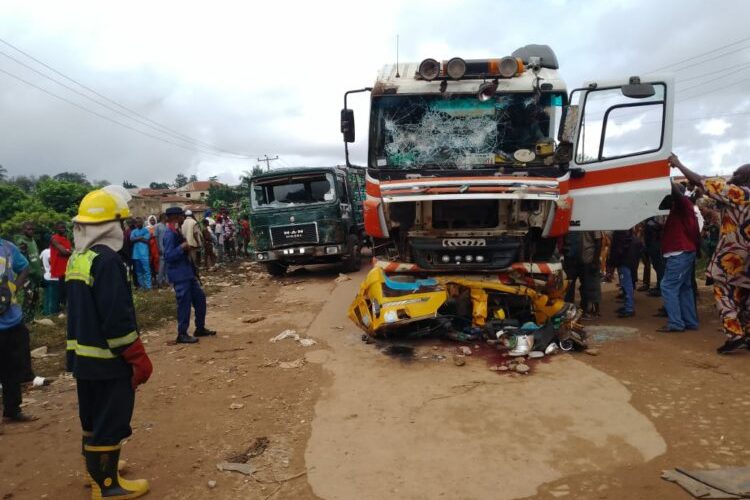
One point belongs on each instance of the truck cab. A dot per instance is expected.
(306, 215)
(480, 165)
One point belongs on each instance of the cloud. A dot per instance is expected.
(714, 127)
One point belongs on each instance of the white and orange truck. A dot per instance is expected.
(480, 166)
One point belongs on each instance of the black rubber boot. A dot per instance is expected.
(101, 463)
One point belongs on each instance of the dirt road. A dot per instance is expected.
(343, 420)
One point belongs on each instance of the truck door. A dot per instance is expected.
(619, 172)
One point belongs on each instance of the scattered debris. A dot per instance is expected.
(342, 277)
(536, 354)
(211, 484)
(39, 352)
(256, 449)
(297, 363)
(459, 359)
(592, 351)
(286, 334)
(254, 319)
(245, 469)
(731, 482)
(236, 406)
(522, 368)
(44, 322)
(465, 350)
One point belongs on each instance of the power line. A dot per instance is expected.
(140, 117)
(697, 77)
(711, 80)
(718, 49)
(104, 117)
(268, 161)
(713, 91)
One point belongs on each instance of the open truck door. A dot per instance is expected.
(622, 138)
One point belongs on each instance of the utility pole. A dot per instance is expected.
(268, 161)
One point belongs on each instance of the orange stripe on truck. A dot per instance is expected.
(630, 173)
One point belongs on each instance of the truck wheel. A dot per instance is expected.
(275, 269)
(353, 262)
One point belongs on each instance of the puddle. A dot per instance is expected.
(403, 352)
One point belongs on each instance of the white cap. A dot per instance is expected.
(188, 212)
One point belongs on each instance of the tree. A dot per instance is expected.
(223, 196)
(74, 177)
(180, 180)
(214, 178)
(11, 198)
(61, 196)
(128, 185)
(26, 183)
(257, 170)
(159, 185)
(43, 218)
(193, 178)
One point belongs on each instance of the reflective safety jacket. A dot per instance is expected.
(101, 315)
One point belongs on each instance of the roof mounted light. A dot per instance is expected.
(429, 69)
(508, 67)
(487, 91)
(456, 68)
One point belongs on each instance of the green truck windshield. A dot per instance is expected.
(293, 190)
(459, 131)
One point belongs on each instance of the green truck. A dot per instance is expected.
(307, 215)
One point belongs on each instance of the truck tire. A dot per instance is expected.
(353, 262)
(275, 268)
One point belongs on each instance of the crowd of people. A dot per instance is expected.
(708, 221)
(211, 240)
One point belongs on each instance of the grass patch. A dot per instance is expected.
(154, 308)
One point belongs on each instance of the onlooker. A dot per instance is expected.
(230, 235)
(591, 244)
(140, 237)
(729, 265)
(161, 228)
(191, 231)
(51, 303)
(652, 231)
(244, 234)
(181, 274)
(27, 244)
(209, 257)
(219, 232)
(60, 249)
(153, 250)
(15, 358)
(624, 256)
(680, 242)
(573, 265)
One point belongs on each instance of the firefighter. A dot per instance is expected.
(182, 274)
(104, 349)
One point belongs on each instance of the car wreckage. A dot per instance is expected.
(475, 171)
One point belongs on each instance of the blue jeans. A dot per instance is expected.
(189, 292)
(143, 272)
(626, 282)
(677, 291)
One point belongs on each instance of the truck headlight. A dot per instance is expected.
(445, 259)
(469, 258)
(480, 258)
(390, 317)
(331, 250)
(260, 256)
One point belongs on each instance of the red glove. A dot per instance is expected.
(137, 358)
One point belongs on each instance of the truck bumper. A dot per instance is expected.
(303, 254)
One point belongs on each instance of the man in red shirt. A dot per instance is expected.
(680, 242)
(245, 233)
(60, 249)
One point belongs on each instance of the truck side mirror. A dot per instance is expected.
(347, 124)
(637, 90)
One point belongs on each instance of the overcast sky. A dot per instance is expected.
(268, 77)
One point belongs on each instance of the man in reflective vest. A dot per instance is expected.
(104, 350)
(182, 275)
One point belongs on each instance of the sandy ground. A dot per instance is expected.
(347, 421)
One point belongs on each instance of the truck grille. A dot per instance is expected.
(294, 234)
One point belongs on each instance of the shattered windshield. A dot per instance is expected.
(460, 131)
(293, 190)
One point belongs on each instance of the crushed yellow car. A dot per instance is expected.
(408, 304)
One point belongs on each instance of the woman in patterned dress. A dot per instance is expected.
(729, 265)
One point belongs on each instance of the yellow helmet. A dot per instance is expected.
(100, 206)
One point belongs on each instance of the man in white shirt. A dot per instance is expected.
(51, 303)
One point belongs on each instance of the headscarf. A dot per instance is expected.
(109, 234)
